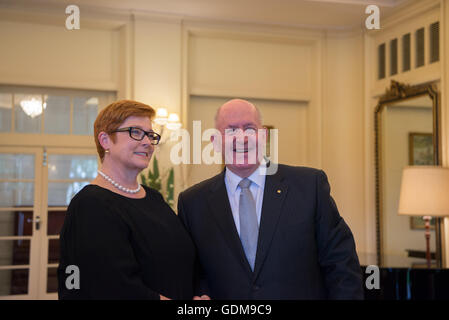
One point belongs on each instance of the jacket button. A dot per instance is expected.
(255, 288)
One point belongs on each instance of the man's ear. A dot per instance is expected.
(105, 140)
(216, 141)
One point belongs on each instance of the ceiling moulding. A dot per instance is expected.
(216, 28)
(251, 35)
(350, 33)
(408, 12)
(12, 15)
(140, 15)
(54, 14)
(168, 17)
(116, 17)
(317, 27)
(383, 3)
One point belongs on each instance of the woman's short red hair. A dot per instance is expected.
(110, 118)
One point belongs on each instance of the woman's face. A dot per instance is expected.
(130, 153)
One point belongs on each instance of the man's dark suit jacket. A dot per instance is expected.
(305, 249)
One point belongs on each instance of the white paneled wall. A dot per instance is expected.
(157, 63)
(263, 68)
(342, 130)
(50, 55)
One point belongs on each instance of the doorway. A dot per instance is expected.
(36, 186)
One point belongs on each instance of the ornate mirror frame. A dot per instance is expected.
(398, 92)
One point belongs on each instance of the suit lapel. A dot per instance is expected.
(273, 198)
(221, 210)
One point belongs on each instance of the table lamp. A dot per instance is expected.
(425, 192)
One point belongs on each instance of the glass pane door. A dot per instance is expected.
(66, 173)
(36, 186)
(19, 209)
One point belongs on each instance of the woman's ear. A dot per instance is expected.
(105, 140)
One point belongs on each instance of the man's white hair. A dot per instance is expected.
(259, 114)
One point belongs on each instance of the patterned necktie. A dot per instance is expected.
(249, 228)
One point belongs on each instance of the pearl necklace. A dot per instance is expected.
(118, 186)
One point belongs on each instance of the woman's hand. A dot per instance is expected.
(203, 297)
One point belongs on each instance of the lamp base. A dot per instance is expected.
(427, 235)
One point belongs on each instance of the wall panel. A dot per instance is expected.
(253, 68)
(49, 55)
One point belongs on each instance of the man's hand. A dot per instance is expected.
(163, 297)
(203, 297)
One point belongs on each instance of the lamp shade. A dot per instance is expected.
(424, 191)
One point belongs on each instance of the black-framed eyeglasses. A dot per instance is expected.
(138, 134)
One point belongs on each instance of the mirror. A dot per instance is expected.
(407, 133)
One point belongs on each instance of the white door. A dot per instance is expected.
(66, 172)
(36, 186)
(20, 203)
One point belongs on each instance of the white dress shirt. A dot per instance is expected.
(257, 187)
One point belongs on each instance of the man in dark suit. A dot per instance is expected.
(261, 236)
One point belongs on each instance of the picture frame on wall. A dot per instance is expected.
(421, 153)
(268, 127)
(421, 149)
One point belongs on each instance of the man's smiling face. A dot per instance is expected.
(238, 122)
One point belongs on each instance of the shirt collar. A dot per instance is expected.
(257, 177)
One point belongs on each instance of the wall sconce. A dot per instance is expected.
(161, 116)
(163, 119)
(173, 122)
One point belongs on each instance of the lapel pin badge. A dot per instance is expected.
(279, 191)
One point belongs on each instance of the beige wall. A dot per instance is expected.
(50, 55)
(343, 144)
(250, 66)
(157, 63)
